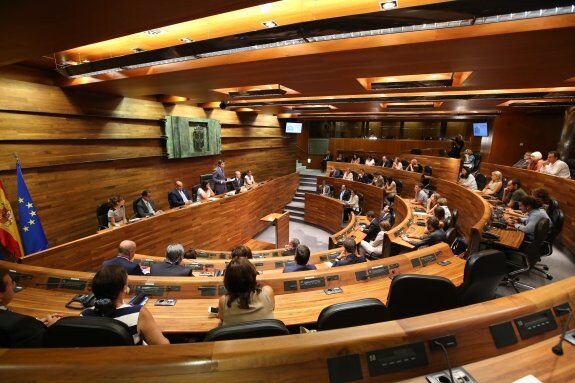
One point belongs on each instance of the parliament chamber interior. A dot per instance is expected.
(463, 101)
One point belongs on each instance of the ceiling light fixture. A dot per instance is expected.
(386, 5)
(270, 24)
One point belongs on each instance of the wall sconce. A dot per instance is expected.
(309, 160)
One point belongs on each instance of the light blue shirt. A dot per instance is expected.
(528, 224)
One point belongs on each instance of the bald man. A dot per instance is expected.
(179, 196)
(126, 252)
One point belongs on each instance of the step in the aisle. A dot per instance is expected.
(296, 205)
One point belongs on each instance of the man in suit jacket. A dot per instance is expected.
(348, 256)
(344, 193)
(363, 177)
(171, 266)
(17, 330)
(290, 247)
(179, 196)
(324, 189)
(146, 207)
(373, 228)
(436, 235)
(301, 258)
(219, 178)
(237, 182)
(126, 252)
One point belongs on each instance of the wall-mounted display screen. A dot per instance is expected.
(293, 127)
(480, 129)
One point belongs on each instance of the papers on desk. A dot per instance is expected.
(212, 199)
(419, 213)
(328, 263)
(135, 219)
(528, 379)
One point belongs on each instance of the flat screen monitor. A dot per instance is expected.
(293, 127)
(480, 129)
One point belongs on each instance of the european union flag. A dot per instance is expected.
(31, 231)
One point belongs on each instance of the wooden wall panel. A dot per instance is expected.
(373, 196)
(323, 211)
(384, 146)
(229, 131)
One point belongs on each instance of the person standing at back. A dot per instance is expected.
(219, 178)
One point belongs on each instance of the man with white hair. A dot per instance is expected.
(172, 264)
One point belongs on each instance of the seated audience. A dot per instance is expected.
(348, 256)
(340, 158)
(179, 196)
(535, 162)
(495, 185)
(531, 207)
(290, 247)
(352, 204)
(513, 193)
(397, 164)
(348, 175)
(385, 162)
(237, 181)
(172, 264)
(145, 207)
(414, 167)
(17, 330)
(420, 195)
(374, 248)
(377, 180)
(522, 163)
(117, 213)
(432, 203)
(369, 161)
(555, 166)
(205, 192)
(334, 172)
(324, 189)
(344, 193)
(110, 286)
(469, 160)
(387, 214)
(249, 178)
(390, 187)
(372, 228)
(301, 259)
(439, 213)
(355, 159)
(126, 252)
(191, 254)
(543, 198)
(245, 300)
(242, 251)
(466, 179)
(443, 203)
(363, 177)
(435, 235)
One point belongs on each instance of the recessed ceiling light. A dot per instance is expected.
(385, 5)
(85, 61)
(186, 40)
(154, 32)
(270, 24)
(138, 50)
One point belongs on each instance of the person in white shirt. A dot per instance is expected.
(467, 179)
(348, 175)
(324, 189)
(370, 161)
(555, 166)
(397, 164)
(374, 249)
(205, 192)
(249, 178)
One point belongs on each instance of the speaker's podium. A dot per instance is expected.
(281, 222)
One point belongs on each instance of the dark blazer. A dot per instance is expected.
(20, 331)
(372, 230)
(175, 199)
(292, 268)
(142, 210)
(219, 178)
(349, 259)
(346, 195)
(388, 217)
(168, 269)
(237, 184)
(285, 253)
(363, 179)
(131, 267)
(429, 240)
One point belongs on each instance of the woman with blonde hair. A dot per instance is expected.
(495, 185)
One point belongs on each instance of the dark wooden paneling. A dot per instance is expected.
(372, 195)
(387, 147)
(323, 211)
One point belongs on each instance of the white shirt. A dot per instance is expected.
(348, 176)
(183, 195)
(558, 168)
(370, 162)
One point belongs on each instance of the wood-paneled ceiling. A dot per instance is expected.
(522, 58)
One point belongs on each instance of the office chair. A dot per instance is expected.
(477, 162)
(415, 151)
(385, 249)
(355, 313)
(79, 331)
(481, 180)
(405, 163)
(474, 244)
(195, 192)
(246, 330)
(134, 208)
(398, 187)
(483, 273)
(360, 199)
(414, 294)
(557, 219)
(427, 170)
(454, 217)
(102, 215)
(450, 235)
(553, 204)
(523, 261)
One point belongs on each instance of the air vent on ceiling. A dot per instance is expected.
(410, 106)
(558, 104)
(257, 93)
(412, 84)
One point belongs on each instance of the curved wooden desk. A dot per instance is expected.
(308, 357)
(203, 226)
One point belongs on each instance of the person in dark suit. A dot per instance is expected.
(17, 330)
(326, 158)
(435, 235)
(219, 178)
(344, 193)
(387, 214)
(126, 252)
(179, 196)
(146, 207)
(363, 177)
(237, 182)
(348, 255)
(172, 264)
(301, 258)
(290, 247)
(372, 229)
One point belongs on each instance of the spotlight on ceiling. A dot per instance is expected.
(386, 5)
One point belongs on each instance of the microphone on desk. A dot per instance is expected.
(558, 348)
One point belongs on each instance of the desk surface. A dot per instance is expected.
(191, 315)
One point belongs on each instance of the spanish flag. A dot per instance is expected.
(9, 236)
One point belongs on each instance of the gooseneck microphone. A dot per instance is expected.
(558, 348)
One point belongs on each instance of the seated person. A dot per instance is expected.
(531, 207)
(372, 229)
(352, 204)
(469, 160)
(117, 213)
(249, 178)
(301, 258)
(355, 159)
(420, 195)
(466, 179)
(443, 203)
(369, 161)
(348, 256)
(362, 176)
(344, 193)
(377, 180)
(110, 286)
(385, 162)
(535, 162)
(495, 185)
(513, 193)
(126, 252)
(340, 158)
(172, 264)
(145, 207)
(179, 196)
(439, 213)
(290, 247)
(390, 187)
(397, 164)
(237, 181)
(435, 235)
(414, 167)
(17, 330)
(432, 203)
(334, 172)
(191, 254)
(348, 175)
(555, 166)
(374, 248)
(324, 189)
(205, 192)
(245, 300)
(242, 251)
(522, 163)
(543, 198)
(387, 214)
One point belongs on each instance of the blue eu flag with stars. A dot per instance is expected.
(31, 231)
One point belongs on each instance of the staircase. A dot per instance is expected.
(307, 183)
